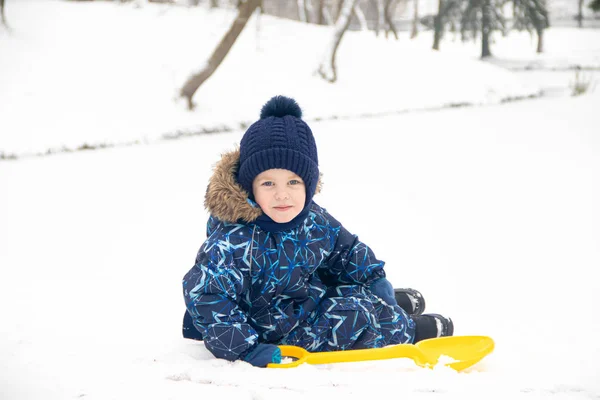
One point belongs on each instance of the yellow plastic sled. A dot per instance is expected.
(461, 352)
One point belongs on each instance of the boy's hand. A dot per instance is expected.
(384, 289)
(264, 354)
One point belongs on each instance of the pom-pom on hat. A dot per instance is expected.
(279, 139)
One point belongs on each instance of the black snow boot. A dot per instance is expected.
(431, 326)
(410, 300)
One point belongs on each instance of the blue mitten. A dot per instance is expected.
(264, 354)
(384, 289)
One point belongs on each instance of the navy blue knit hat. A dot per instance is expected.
(279, 139)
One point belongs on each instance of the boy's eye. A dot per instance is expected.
(295, 182)
(267, 183)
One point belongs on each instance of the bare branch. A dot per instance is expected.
(328, 69)
(193, 83)
(360, 16)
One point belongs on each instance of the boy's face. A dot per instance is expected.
(280, 194)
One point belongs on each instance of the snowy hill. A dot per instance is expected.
(108, 73)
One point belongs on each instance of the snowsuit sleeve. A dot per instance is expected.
(350, 261)
(211, 290)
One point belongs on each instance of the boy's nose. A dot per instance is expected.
(282, 195)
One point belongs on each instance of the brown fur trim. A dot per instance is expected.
(319, 184)
(225, 199)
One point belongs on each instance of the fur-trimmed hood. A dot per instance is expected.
(225, 199)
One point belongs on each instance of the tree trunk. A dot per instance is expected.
(324, 16)
(415, 22)
(469, 14)
(309, 10)
(193, 83)
(321, 13)
(213, 3)
(486, 27)
(389, 21)
(327, 69)
(438, 26)
(538, 14)
(380, 17)
(328, 17)
(2, 15)
(580, 14)
(302, 15)
(338, 10)
(540, 45)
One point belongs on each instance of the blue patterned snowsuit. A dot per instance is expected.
(304, 287)
(307, 286)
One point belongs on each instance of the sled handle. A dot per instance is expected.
(462, 352)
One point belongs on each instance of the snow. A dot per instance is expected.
(92, 85)
(491, 210)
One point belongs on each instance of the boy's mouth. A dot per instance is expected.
(282, 208)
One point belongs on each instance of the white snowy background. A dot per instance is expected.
(491, 210)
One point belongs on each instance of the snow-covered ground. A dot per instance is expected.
(490, 211)
(76, 73)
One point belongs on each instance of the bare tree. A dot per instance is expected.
(438, 26)
(486, 27)
(387, 12)
(336, 9)
(2, 15)
(321, 12)
(385, 8)
(310, 10)
(415, 22)
(245, 11)
(328, 17)
(360, 16)
(327, 69)
(302, 11)
(447, 9)
(580, 13)
(380, 22)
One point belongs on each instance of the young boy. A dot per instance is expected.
(276, 268)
